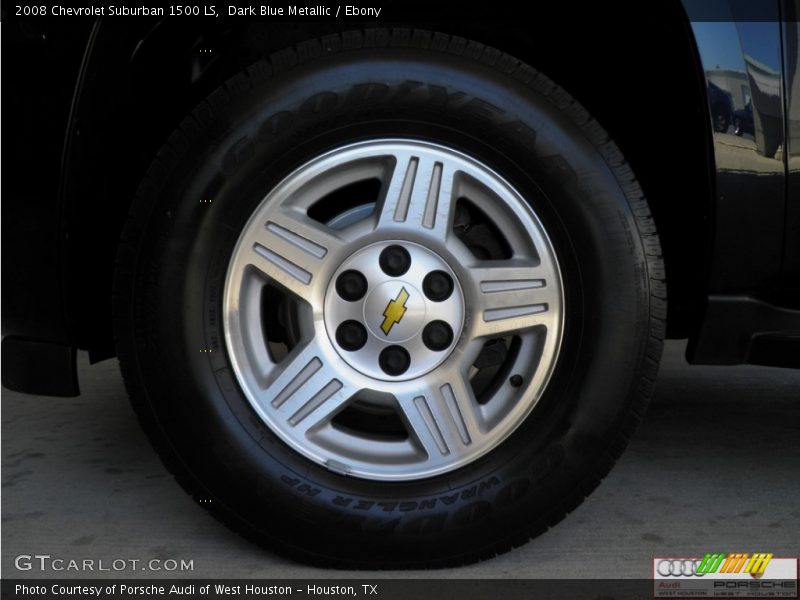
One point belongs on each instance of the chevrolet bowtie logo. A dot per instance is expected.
(394, 311)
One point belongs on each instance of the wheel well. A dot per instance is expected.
(640, 81)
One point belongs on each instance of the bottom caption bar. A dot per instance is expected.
(315, 589)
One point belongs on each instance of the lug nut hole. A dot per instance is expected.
(394, 261)
(351, 335)
(351, 285)
(437, 335)
(394, 360)
(437, 286)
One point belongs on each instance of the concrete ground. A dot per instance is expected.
(715, 467)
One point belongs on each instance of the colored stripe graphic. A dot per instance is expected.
(710, 563)
(758, 563)
(734, 563)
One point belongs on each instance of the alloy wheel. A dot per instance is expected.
(379, 339)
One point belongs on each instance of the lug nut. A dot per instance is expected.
(437, 286)
(437, 335)
(351, 285)
(394, 360)
(351, 335)
(394, 260)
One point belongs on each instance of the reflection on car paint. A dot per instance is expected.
(742, 66)
(791, 53)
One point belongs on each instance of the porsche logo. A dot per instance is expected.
(394, 311)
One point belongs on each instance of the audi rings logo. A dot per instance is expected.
(679, 567)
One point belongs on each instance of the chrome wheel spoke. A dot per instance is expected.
(291, 250)
(419, 194)
(513, 296)
(444, 419)
(306, 392)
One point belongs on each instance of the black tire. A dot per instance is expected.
(310, 98)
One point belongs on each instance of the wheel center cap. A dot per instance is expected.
(394, 311)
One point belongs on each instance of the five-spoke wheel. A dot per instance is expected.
(394, 312)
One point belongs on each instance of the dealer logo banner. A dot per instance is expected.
(726, 575)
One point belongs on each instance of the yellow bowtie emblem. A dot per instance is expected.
(394, 311)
